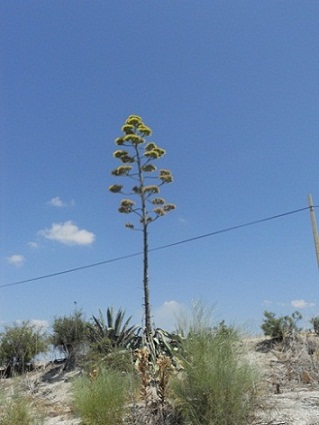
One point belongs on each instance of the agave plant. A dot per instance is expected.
(113, 329)
(160, 343)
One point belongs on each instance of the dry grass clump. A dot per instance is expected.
(19, 409)
(297, 362)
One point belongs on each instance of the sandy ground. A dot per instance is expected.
(288, 393)
(289, 390)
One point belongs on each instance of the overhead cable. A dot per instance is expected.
(124, 257)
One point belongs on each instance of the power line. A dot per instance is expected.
(229, 229)
(88, 266)
(184, 241)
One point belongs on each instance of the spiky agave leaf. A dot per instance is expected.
(120, 335)
(109, 316)
(118, 322)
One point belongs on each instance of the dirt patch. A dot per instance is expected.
(289, 389)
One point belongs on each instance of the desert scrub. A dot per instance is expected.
(99, 399)
(18, 410)
(282, 328)
(217, 386)
(315, 323)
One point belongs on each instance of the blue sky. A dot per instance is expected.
(230, 90)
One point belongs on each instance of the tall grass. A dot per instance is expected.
(217, 385)
(101, 399)
(18, 411)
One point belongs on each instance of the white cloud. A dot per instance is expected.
(40, 324)
(16, 260)
(268, 303)
(68, 233)
(33, 245)
(166, 315)
(57, 202)
(301, 304)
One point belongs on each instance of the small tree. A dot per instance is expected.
(20, 343)
(137, 163)
(69, 335)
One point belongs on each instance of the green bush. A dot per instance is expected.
(69, 336)
(20, 343)
(101, 399)
(217, 384)
(116, 359)
(282, 327)
(315, 323)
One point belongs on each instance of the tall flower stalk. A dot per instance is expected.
(138, 157)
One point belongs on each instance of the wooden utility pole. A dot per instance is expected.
(314, 226)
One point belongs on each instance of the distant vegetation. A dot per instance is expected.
(281, 328)
(198, 375)
(167, 386)
(19, 344)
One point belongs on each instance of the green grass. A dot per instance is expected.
(101, 401)
(217, 385)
